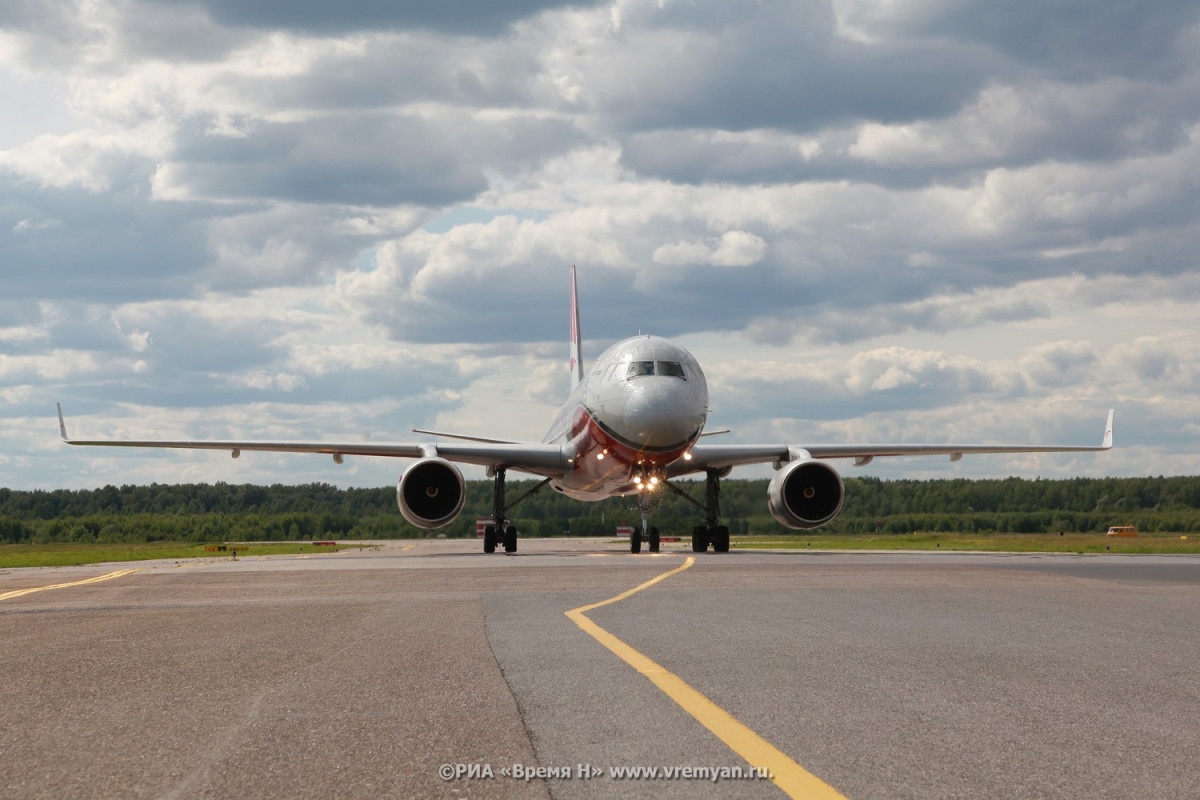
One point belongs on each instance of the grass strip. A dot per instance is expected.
(73, 555)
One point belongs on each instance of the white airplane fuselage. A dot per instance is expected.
(640, 407)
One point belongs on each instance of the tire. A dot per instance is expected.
(654, 540)
(489, 539)
(635, 541)
(510, 539)
(699, 539)
(720, 539)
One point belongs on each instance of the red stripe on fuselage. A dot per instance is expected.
(604, 464)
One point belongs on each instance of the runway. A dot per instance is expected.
(428, 669)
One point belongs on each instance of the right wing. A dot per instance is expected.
(723, 456)
(539, 459)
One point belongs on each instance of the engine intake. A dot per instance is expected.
(431, 493)
(805, 494)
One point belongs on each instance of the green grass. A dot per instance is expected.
(63, 555)
(70, 555)
(993, 542)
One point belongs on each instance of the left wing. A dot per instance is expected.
(539, 459)
(722, 456)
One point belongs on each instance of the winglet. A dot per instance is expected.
(576, 343)
(1108, 432)
(62, 426)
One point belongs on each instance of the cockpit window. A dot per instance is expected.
(639, 368)
(672, 369)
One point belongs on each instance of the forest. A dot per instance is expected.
(228, 512)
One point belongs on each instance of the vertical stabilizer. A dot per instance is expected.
(576, 343)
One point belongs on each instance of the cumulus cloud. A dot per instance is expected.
(898, 220)
(731, 249)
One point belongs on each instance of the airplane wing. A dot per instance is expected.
(539, 459)
(722, 456)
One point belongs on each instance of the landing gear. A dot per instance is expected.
(501, 532)
(717, 536)
(711, 533)
(647, 531)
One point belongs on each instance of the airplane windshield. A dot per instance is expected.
(639, 368)
(671, 369)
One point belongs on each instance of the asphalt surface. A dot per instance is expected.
(366, 675)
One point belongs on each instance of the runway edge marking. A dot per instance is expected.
(107, 577)
(793, 779)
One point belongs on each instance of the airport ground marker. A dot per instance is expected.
(108, 577)
(793, 779)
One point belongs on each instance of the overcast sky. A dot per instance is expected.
(912, 220)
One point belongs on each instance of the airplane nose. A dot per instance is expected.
(664, 413)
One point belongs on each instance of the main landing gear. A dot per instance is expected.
(500, 532)
(710, 533)
(716, 535)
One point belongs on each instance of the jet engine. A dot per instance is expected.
(805, 494)
(431, 493)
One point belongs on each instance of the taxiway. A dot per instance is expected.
(363, 675)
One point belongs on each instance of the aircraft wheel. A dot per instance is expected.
(699, 539)
(720, 539)
(654, 540)
(635, 541)
(510, 539)
(489, 539)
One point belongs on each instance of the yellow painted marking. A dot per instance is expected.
(793, 779)
(19, 592)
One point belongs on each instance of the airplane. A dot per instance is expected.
(632, 423)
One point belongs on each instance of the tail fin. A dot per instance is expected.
(576, 342)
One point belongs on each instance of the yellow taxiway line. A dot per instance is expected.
(793, 779)
(20, 592)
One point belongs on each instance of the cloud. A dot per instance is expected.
(368, 160)
(921, 221)
(473, 17)
(731, 249)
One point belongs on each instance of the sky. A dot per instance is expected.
(870, 221)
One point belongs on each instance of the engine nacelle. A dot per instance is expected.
(431, 493)
(805, 494)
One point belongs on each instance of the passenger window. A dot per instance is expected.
(672, 368)
(639, 368)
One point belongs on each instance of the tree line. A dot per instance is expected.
(220, 511)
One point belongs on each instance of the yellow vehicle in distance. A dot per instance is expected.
(1123, 530)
